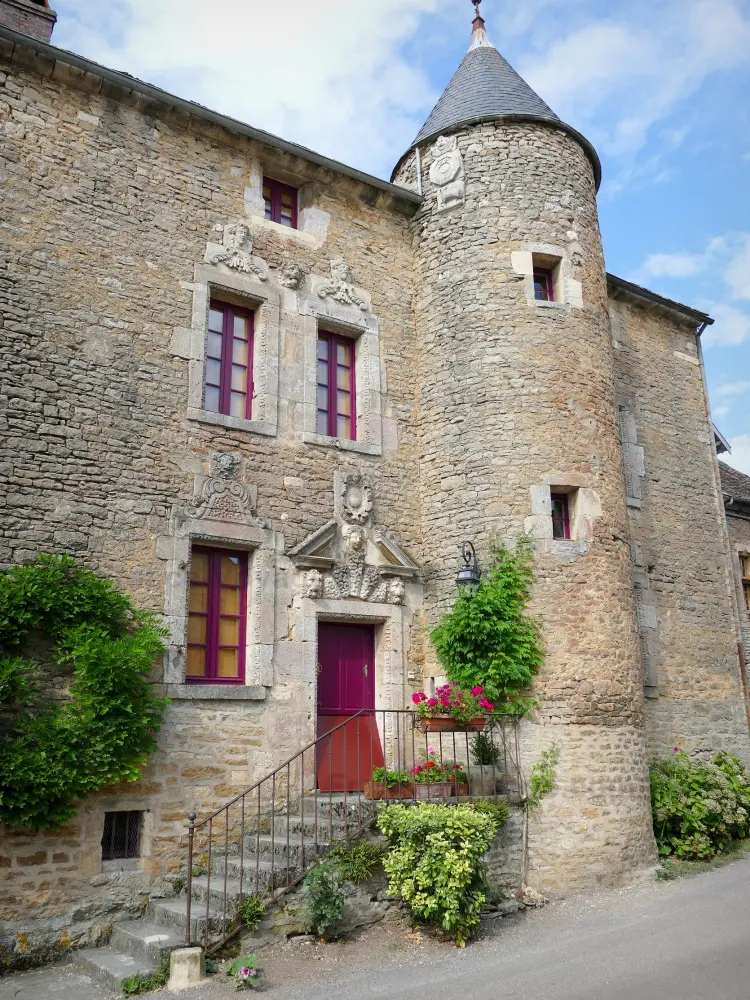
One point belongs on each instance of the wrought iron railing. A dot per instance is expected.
(264, 840)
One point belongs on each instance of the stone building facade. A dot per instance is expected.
(502, 377)
(736, 490)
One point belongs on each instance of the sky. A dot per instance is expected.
(659, 86)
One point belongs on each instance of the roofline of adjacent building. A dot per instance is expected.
(536, 119)
(695, 316)
(132, 84)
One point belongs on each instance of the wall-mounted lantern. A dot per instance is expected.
(470, 574)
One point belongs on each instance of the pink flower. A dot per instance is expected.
(252, 972)
(477, 690)
(486, 704)
(453, 684)
(676, 749)
(418, 696)
(432, 702)
(244, 972)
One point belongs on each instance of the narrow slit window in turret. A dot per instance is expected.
(560, 516)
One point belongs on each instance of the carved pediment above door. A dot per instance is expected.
(348, 557)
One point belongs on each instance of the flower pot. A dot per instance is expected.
(461, 789)
(447, 724)
(484, 782)
(437, 790)
(379, 790)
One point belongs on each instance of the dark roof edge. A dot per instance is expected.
(537, 119)
(131, 83)
(637, 291)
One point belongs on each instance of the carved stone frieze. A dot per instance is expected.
(340, 286)
(221, 496)
(237, 249)
(356, 499)
(447, 173)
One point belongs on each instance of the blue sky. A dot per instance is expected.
(659, 86)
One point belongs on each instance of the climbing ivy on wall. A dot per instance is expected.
(488, 638)
(55, 752)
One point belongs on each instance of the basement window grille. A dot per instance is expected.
(122, 835)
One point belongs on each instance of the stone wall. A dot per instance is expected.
(739, 541)
(28, 17)
(111, 206)
(518, 401)
(686, 602)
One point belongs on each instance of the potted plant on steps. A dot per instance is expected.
(452, 710)
(438, 779)
(389, 785)
(484, 773)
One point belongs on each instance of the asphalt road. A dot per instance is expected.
(684, 940)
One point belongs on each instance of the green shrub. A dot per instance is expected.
(484, 751)
(251, 911)
(324, 898)
(390, 778)
(699, 806)
(543, 775)
(487, 638)
(435, 863)
(496, 809)
(357, 862)
(52, 756)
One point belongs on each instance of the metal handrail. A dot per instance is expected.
(388, 736)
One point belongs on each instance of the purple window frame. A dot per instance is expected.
(213, 615)
(226, 360)
(561, 520)
(335, 341)
(273, 204)
(543, 276)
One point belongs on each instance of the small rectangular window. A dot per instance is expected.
(336, 388)
(745, 563)
(229, 361)
(560, 516)
(544, 289)
(280, 203)
(122, 835)
(216, 617)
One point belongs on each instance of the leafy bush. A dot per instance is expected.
(52, 756)
(435, 863)
(390, 778)
(324, 898)
(484, 751)
(543, 775)
(251, 911)
(699, 806)
(357, 862)
(496, 809)
(487, 639)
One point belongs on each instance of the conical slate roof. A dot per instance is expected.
(485, 87)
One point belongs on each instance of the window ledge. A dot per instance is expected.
(232, 423)
(541, 304)
(122, 865)
(342, 444)
(288, 232)
(216, 692)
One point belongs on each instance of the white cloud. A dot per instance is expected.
(718, 412)
(324, 74)
(673, 265)
(731, 327)
(740, 456)
(733, 389)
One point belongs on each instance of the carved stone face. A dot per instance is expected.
(238, 236)
(340, 271)
(396, 591)
(313, 583)
(225, 465)
(355, 540)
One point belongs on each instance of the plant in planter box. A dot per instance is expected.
(389, 785)
(437, 779)
(485, 759)
(450, 708)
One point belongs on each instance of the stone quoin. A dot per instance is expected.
(239, 372)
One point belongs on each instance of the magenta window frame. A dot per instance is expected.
(273, 205)
(334, 341)
(214, 617)
(544, 275)
(226, 359)
(561, 521)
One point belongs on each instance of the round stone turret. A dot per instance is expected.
(519, 433)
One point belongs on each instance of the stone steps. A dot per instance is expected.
(110, 967)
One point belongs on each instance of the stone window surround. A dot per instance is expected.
(392, 639)
(116, 803)
(264, 300)
(369, 377)
(261, 545)
(584, 507)
(312, 221)
(546, 256)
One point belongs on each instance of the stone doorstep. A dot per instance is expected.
(145, 940)
(110, 967)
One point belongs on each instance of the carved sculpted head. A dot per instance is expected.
(355, 540)
(340, 271)
(313, 583)
(292, 275)
(396, 590)
(238, 236)
(356, 499)
(225, 465)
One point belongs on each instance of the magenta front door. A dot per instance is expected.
(346, 685)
